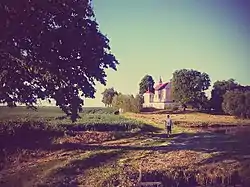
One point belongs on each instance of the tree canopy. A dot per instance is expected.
(51, 50)
(108, 95)
(128, 103)
(218, 91)
(189, 86)
(237, 103)
(147, 83)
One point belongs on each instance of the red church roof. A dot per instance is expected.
(161, 86)
(148, 92)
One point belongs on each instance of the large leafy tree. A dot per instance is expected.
(189, 86)
(51, 50)
(108, 95)
(237, 102)
(146, 83)
(138, 102)
(218, 91)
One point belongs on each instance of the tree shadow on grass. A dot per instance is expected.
(161, 135)
(12, 145)
(67, 176)
(229, 145)
(42, 138)
(236, 147)
(229, 149)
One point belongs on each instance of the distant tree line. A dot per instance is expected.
(108, 96)
(188, 89)
(231, 98)
(227, 96)
(129, 103)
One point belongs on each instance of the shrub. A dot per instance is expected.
(128, 103)
(104, 122)
(27, 134)
(172, 107)
(237, 103)
(98, 110)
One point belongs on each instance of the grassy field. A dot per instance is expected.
(40, 148)
(194, 119)
(48, 113)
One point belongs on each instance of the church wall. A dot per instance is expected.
(151, 98)
(148, 97)
(164, 95)
(158, 105)
(156, 99)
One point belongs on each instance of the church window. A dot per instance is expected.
(160, 95)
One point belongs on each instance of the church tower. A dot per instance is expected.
(148, 97)
(160, 81)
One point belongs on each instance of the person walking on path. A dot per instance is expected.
(169, 125)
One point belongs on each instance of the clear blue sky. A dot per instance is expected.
(157, 37)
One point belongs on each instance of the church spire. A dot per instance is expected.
(160, 81)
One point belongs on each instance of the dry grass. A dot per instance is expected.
(191, 119)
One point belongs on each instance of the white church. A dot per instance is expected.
(161, 99)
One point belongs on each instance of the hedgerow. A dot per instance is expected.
(29, 133)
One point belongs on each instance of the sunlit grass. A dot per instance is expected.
(192, 119)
